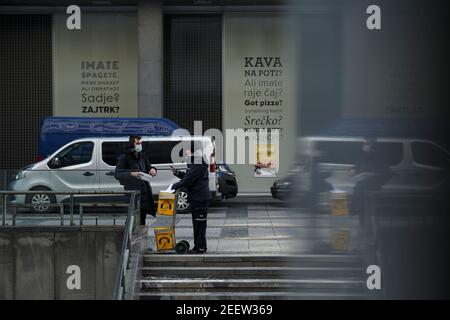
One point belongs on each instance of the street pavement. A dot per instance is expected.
(256, 225)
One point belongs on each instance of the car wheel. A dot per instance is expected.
(183, 205)
(41, 202)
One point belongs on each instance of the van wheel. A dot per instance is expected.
(41, 202)
(183, 205)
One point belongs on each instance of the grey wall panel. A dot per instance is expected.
(34, 266)
(75, 248)
(6, 267)
(193, 70)
(33, 263)
(26, 85)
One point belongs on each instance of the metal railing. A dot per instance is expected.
(130, 225)
(73, 199)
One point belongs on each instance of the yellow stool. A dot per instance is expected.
(166, 204)
(165, 238)
(339, 203)
(340, 239)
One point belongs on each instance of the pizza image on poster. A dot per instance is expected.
(266, 161)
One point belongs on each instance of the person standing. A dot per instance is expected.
(372, 172)
(196, 181)
(130, 163)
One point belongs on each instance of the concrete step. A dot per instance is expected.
(259, 276)
(254, 285)
(253, 272)
(193, 295)
(236, 260)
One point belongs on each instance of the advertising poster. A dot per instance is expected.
(95, 68)
(259, 93)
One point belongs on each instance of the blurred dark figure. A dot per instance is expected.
(372, 172)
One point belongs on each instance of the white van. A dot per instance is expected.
(417, 166)
(88, 164)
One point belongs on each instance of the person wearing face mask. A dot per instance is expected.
(196, 181)
(130, 163)
(372, 173)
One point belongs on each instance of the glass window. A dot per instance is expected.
(74, 154)
(350, 152)
(428, 154)
(339, 152)
(159, 151)
(110, 151)
(389, 153)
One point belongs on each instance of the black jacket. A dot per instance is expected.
(127, 163)
(196, 181)
(373, 162)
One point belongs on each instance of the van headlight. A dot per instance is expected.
(20, 175)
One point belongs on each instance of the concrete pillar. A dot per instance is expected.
(355, 55)
(150, 68)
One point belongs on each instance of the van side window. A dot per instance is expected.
(428, 154)
(110, 151)
(389, 153)
(159, 151)
(74, 154)
(339, 152)
(350, 152)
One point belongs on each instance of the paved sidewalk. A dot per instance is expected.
(256, 225)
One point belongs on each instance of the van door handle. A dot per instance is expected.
(87, 174)
(111, 173)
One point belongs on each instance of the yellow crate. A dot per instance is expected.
(339, 204)
(340, 239)
(165, 238)
(166, 204)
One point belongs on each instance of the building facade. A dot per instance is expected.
(293, 66)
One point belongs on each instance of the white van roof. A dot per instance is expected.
(148, 138)
(356, 138)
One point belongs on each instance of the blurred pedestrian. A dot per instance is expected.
(372, 173)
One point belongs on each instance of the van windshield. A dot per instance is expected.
(159, 151)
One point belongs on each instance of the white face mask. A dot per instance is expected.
(138, 148)
(366, 148)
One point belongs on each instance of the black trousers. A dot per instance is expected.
(372, 183)
(147, 205)
(199, 221)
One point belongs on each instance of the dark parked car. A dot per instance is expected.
(227, 181)
(281, 189)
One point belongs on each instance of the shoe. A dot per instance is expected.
(193, 251)
(197, 251)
